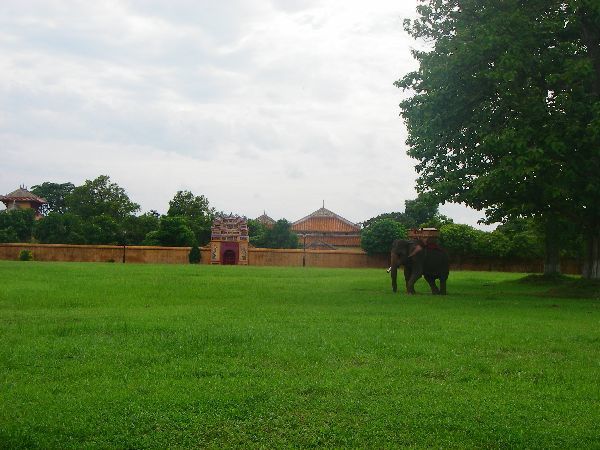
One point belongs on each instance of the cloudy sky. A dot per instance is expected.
(259, 105)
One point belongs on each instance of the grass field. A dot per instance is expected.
(136, 356)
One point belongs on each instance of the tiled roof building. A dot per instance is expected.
(326, 229)
(23, 199)
(266, 220)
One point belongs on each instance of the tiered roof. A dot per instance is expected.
(325, 228)
(22, 195)
(324, 221)
(266, 220)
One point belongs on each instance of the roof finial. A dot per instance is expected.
(323, 204)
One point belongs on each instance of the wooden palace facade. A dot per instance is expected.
(326, 230)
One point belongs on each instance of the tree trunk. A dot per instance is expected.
(590, 32)
(552, 246)
(552, 258)
(591, 265)
(590, 26)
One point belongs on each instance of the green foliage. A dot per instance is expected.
(16, 225)
(197, 212)
(186, 204)
(525, 238)
(135, 228)
(56, 228)
(417, 213)
(420, 210)
(101, 197)
(172, 232)
(55, 194)
(25, 255)
(395, 216)
(460, 240)
(493, 245)
(175, 356)
(8, 235)
(437, 221)
(102, 230)
(379, 236)
(255, 231)
(195, 255)
(279, 236)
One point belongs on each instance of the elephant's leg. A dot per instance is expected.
(407, 274)
(432, 285)
(443, 286)
(414, 277)
(394, 274)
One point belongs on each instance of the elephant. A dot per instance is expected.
(419, 260)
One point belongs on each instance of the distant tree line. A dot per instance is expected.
(100, 212)
(518, 238)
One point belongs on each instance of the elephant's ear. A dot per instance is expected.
(416, 249)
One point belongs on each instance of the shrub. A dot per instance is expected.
(194, 255)
(26, 255)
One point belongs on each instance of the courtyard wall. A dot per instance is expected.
(257, 257)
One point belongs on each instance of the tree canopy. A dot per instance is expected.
(101, 197)
(417, 212)
(55, 194)
(195, 209)
(172, 232)
(379, 236)
(504, 114)
(16, 225)
(280, 235)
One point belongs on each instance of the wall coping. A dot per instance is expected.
(205, 248)
(143, 247)
(300, 250)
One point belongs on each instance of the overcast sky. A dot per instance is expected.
(256, 104)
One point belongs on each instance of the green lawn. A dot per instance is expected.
(136, 356)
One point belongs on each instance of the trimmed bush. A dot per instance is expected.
(26, 255)
(194, 255)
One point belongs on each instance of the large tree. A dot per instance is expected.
(58, 228)
(196, 211)
(280, 235)
(16, 225)
(378, 236)
(101, 197)
(423, 210)
(172, 232)
(55, 194)
(505, 111)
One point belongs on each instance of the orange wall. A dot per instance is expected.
(314, 258)
(256, 257)
(97, 253)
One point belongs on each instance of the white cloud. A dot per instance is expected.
(256, 104)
